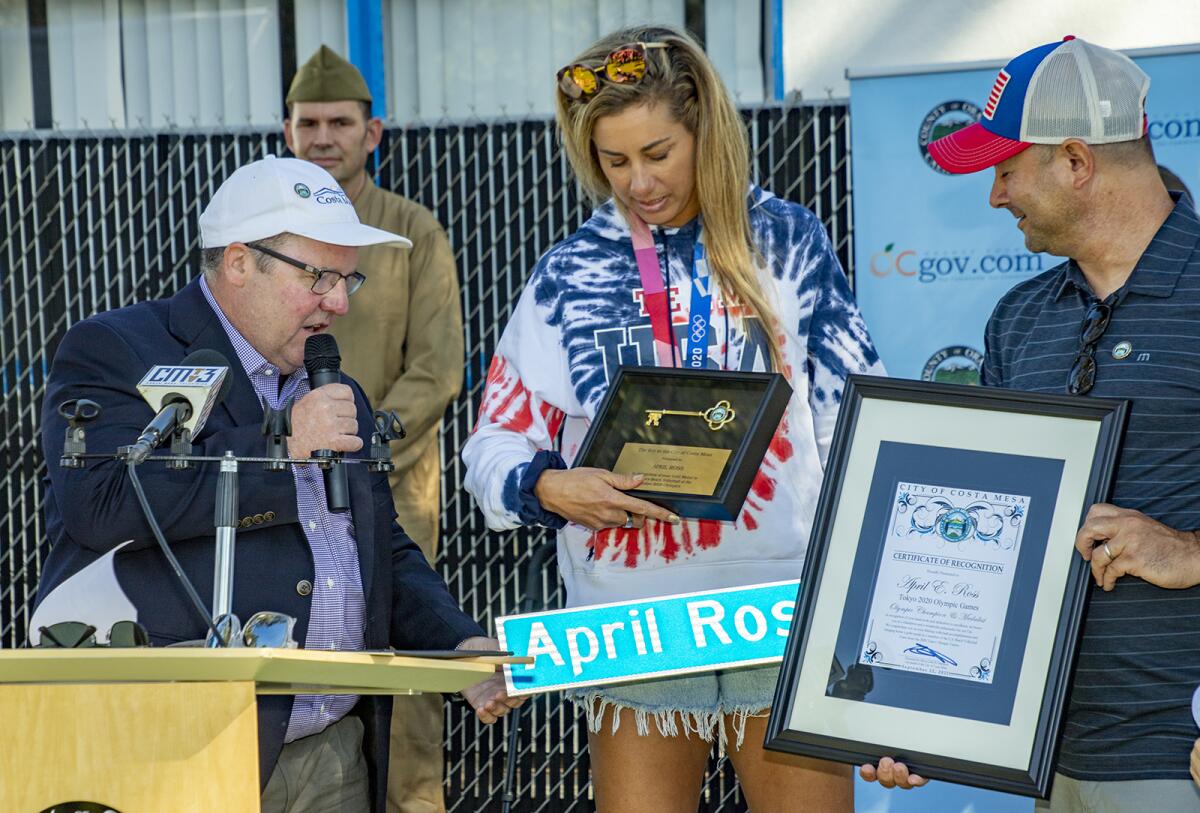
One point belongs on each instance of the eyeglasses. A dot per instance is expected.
(78, 635)
(324, 279)
(1083, 372)
(625, 65)
(263, 629)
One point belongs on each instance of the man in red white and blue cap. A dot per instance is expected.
(1065, 129)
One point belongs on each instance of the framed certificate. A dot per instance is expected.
(942, 596)
(697, 436)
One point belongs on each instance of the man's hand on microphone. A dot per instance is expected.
(326, 418)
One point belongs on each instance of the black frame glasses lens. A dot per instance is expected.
(354, 281)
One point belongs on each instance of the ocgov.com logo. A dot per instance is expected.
(946, 266)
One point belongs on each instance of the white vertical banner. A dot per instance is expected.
(86, 90)
(16, 79)
(470, 60)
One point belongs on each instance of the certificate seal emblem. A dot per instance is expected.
(955, 525)
(1122, 350)
(956, 364)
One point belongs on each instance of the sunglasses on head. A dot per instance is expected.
(625, 65)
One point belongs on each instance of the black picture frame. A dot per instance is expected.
(996, 728)
(761, 401)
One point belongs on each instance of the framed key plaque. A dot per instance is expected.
(698, 436)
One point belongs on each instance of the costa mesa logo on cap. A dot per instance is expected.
(1062, 90)
(325, 195)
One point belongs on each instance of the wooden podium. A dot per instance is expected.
(170, 730)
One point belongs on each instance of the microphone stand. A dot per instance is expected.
(277, 427)
(225, 523)
(223, 627)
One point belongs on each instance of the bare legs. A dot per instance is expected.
(775, 782)
(656, 774)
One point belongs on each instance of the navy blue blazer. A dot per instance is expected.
(91, 510)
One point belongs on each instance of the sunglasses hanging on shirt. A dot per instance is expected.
(1082, 377)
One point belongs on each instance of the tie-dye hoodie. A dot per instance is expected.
(580, 316)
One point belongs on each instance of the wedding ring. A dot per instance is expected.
(628, 520)
(1108, 552)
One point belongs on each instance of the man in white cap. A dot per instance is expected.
(403, 344)
(1065, 130)
(279, 260)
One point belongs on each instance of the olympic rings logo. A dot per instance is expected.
(699, 326)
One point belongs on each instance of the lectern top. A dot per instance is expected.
(273, 671)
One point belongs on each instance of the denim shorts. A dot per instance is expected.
(692, 704)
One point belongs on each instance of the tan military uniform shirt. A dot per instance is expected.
(403, 342)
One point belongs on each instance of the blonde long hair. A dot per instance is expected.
(681, 78)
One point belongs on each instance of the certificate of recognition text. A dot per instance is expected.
(942, 590)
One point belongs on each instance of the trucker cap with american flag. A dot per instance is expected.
(1058, 91)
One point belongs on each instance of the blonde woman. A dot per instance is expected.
(651, 132)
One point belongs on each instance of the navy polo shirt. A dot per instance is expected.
(1128, 715)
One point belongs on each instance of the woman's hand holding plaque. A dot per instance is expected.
(596, 498)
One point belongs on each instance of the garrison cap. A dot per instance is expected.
(326, 77)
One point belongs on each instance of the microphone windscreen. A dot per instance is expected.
(321, 354)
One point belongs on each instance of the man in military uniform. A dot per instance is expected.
(403, 342)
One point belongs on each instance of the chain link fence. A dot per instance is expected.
(97, 221)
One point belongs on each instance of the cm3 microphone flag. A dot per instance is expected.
(182, 396)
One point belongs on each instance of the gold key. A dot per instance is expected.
(716, 416)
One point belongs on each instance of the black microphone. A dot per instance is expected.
(324, 363)
(183, 395)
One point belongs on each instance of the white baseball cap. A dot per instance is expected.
(276, 195)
